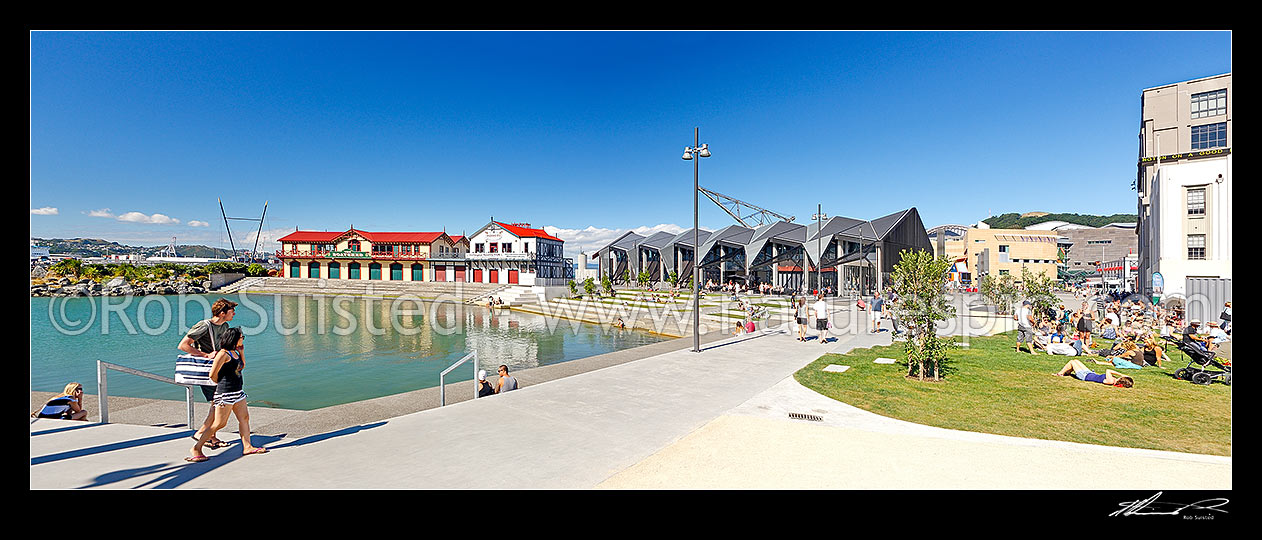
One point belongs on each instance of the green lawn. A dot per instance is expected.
(993, 389)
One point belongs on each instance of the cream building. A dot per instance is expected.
(1184, 184)
(372, 256)
(997, 252)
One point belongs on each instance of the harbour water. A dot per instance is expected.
(303, 352)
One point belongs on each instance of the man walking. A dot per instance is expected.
(1025, 326)
(203, 340)
(821, 318)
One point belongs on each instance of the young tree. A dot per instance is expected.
(589, 286)
(573, 288)
(606, 285)
(67, 267)
(673, 279)
(1039, 289)
(919, 279)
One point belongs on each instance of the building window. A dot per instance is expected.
(1003, 272)
(495, 248)
(479, 247)
(1098, 242)
(1196, 202)
(1209, 136)
(508, 247)
(1196, 247)
(1209, 103)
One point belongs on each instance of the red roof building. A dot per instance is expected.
(517, 254)
(363, 255)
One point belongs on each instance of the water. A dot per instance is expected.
(303, 352)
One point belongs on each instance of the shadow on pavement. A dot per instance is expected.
(66, 428)
(108, 447)
(175, 475)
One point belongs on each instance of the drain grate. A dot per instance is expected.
(800, 416)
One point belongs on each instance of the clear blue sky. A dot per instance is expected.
(413, 131)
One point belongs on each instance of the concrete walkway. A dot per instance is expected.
(676, 420)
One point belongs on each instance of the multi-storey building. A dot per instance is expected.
(998, 252)
(363, 255)
(516, 253)
(1184, 184)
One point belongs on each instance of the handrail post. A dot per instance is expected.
(188, 393)
(100, 392)
(442, 384)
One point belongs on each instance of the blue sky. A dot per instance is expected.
(134, 135)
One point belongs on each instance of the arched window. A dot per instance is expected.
(313, 270)
(335, 270)
(374, 271)
(396, 272)
(353, 270)
(353, 245)
(295, 269)
(418, 272)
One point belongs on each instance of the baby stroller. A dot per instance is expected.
(1201, 359)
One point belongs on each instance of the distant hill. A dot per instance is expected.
(1013, 220)
(94, 247)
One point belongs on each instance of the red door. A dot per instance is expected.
(477, 275)
(495, 276)
(512, 276)
(459, 273)
(440, 273)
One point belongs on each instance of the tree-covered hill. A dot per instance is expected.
(1013, 220)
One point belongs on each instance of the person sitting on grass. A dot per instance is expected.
(1080, 372)
(1130, 357)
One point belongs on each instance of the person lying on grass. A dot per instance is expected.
(1110, 377)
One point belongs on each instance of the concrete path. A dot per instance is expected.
(676, 420)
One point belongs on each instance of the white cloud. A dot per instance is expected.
(195, 223)
(45, 211)
(104, 212)
(137, 217)
(593, 238)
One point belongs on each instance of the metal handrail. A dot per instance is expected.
(102, 366)
(442, 387)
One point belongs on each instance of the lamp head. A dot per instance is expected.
(687, 154)
(705, 150)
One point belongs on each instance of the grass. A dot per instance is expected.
(991, 388)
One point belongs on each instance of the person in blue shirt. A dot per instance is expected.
(65, 406)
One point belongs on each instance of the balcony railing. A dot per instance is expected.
(382, 255)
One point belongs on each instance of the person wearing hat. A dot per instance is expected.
(1216, 335)
(1025, 327)
(1226, 318)
(1191, 337)
(484, 387)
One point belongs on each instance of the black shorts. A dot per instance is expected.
(802, 321)
(821, 324)
(209, 392)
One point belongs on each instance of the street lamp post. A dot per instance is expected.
(819, 246)
(702, 151)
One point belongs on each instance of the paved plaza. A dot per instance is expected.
(676, 420)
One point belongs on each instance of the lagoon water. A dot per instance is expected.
(303, 352)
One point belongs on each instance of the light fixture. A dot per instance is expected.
(705, 150)
(687, 154)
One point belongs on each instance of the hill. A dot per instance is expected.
(94, 247)
(1013, 220)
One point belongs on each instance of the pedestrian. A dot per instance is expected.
(802, 314)
(878, 303)
(203, 340)
(506, 382)
(821, 318)
(230, 397)
(1025, 326)
(484, 387)
(1225, 317)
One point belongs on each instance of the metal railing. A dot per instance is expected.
(102, 367)
(442, 386)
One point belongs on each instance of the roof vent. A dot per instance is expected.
(523, 225)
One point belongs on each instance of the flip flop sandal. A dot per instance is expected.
(196, 459)
(256, 450)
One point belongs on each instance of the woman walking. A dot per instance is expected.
(229, 395)
(802, 313)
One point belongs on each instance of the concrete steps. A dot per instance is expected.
(424, 289)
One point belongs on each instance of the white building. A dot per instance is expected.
(517, 254)
(1184, 185)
